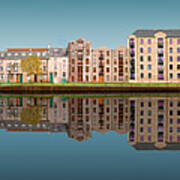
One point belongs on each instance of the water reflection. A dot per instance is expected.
(150, 122)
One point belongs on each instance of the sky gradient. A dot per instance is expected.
(36, 23)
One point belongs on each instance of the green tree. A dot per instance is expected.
(32, 65)
(31, 114)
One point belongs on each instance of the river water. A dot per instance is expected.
(89, 137)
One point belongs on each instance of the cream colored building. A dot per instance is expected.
(58, 65)
(154, 122)
(154, 56)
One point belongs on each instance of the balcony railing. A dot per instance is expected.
(160, 76)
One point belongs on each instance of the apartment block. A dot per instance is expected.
(154, 123)
(97, 65)
(80, 63)
(154, 56)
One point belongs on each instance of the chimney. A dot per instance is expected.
(49, 45)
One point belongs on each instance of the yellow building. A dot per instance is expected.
(154, 56)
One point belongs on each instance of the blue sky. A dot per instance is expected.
(35, 23)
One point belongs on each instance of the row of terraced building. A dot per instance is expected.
(151, 56)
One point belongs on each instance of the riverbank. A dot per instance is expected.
(88, 88)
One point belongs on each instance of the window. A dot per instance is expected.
(141, 50)
(141, 121)
(149, 66)
(108, 62)
(141, 129)
(170, 41)
(108, 78)
(171, 67)
(94, 78)
(171, 50)
(142, 113)
(178, 41)
(171, 104)
(178, 49)
(178, 129)
(149, 138)
(87, 69)
(170, 112)
(141, 58)
(178, 66)
(142, 66)
(149, 113)
(55, 74)
(142, 104)
(149, 104)
(149, 130)
(1, 68)
(72, 69)
(141, 41)
(107, 69)
(149, 58)
(142, 138)
(149, 121)
(94, 69)
(44, 68)
(178, 75)
(178, 121)
(87, 61)
(178, 113)
(142, 75)
(73, 61)
(178, 58)
(149, 50)
(149, 41)
(170, 58)
(171, 75)
(1, 76)
(170, 129)
(170, 120)
(149, 75)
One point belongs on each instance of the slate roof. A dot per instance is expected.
(152, 32)
(151, 146)
(15, 55)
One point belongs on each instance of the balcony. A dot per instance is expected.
(101, 57)
(160, 76)
(160, 129)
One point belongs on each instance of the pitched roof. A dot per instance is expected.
(152, 32)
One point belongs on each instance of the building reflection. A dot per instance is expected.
(150, 122)
(155, 123)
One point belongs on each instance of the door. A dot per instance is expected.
(100, 79)
(21, 78)
(51, 78)
(35, 78)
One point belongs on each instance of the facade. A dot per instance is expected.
(154, 56)
(58, 65)
(80, 64)
(55, 65)
(10, 70)
(101, 65)
(97, 65)
(154, 123)
(120, 64)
